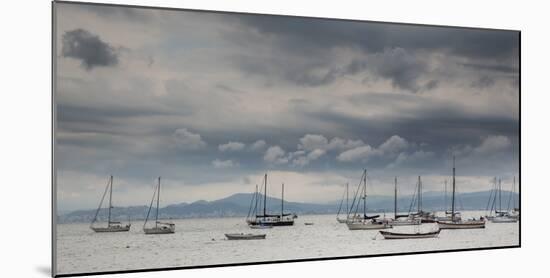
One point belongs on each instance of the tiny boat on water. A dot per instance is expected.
(392, 235)
(308, 223)
(243, 236)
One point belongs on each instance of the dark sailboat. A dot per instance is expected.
(265, 219)
(112, 226)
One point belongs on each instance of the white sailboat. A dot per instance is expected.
(424, 216)
(159, 227)
(364, 222)
(402, 220)
(346, 193)
(448, 213)
(112, 226)
(456, 223)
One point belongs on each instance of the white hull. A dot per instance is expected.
(367, 226)
(408, 222)
(111, 229)
(461, 225)
(160, 230)
(341, 220)
(244, 236)
(389, 235)
(504, 220)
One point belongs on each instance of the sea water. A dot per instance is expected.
(202, 242)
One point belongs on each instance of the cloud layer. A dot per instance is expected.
(212, 101)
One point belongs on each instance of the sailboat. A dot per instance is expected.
(424, 216)
(265, 219)
(364, 222)
(346, 193)
(160, 227)
(253, 210)
(456, 223)
(112, 226)
(448, 213)
(504, 216)
(403, 219)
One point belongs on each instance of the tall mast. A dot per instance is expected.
(499, 195)
(453, 199)
(110, 200)
(365, 193)
(256, 201)
(419, 203)
(158, 200)
(265, 190)
(395, 200)
(445, 195)
(282, 199)
(347, 198)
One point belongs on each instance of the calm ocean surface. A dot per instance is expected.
(202, 242)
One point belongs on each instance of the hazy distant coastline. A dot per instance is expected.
(238, 205)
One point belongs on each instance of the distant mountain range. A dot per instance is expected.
(239, 204)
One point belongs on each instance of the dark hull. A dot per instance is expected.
(273, 224)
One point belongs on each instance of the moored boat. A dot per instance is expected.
(393, 235)
(265, 219)
(242, 236)
(456, 223)
(112, 226)
(364, 222)
(159, 227)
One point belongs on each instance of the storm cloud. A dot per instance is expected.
(311, 101)
(88, 48)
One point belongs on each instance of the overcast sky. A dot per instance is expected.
(211, 101)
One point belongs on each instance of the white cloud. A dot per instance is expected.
(231, 146)
(258, 145)
(224, 164)
(275, 155)
(362, 153)
(312, 142)
(188, 140)
(394, 144)
(492, 144)
(414, 157)
(303, 160)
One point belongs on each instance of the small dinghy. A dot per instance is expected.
(308, 223)
(392, 235)
(243, 236)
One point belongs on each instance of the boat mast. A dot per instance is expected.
(158, 198)
(499, 195)
(395, 200)
(110, 200)
(265, 191)
(365, 193)
(419, 202)
(445, 195)
(347, 198)
(453, 199)
(282, 199)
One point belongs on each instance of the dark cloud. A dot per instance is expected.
(495, 68)
(310, 35)
(483, 82)
(89, 48)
